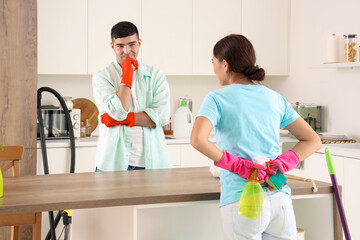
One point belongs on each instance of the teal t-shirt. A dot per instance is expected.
(246, 120)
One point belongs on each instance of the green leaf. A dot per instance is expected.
(1, 148)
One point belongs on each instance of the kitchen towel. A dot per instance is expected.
(332, 51)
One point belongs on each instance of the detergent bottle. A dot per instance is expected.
(183, 121)
(252, 197)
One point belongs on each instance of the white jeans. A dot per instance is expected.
(276, 221)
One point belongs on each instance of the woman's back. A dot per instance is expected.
(247, 119)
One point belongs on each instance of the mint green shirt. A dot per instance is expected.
(153, 96)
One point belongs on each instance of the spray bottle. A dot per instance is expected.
(252, 197)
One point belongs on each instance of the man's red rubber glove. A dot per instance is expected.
(128, 71)
(110, 122)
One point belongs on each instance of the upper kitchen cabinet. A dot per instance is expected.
(167, 36)
(103, 15)
(208, 28)
(177, 36)
(62, 37)
(266, 24)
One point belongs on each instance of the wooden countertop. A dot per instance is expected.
(105, 189)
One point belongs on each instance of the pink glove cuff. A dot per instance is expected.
(285, 162)
(291, 160)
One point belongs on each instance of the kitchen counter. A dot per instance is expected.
(42, 193)
(350, 150)
(92, 142)
(105, 189)
(64, 143)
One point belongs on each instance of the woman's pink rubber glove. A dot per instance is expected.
(240, 166)
(285, 162)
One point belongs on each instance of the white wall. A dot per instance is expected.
(337, 90)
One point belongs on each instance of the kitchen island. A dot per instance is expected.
(142, 188)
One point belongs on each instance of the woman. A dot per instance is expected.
(246, 118)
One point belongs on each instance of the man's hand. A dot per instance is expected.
(110, 122)
(128, 71)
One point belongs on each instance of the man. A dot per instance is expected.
(133, 101)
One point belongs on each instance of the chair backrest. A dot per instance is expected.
(12, 154)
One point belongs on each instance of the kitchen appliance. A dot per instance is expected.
(311, 113)
(89, 111)
(183, 121)
(55, 126)
(70, 132)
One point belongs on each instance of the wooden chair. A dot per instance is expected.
(13, 154)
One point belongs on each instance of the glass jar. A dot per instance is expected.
(82, 130)
(68, 101)
(88, 128)
(350, 52)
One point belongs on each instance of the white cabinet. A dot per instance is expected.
(62, 37)
(208, 28)
(178, 36)
(266, 24)
(175, 155)
(347, 171)
(351, 195)
(59, 160)
(184, 155)
(167, 36)
(190, 157)
(102, 16)
(315, 167)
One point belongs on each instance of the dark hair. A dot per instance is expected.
(123, 29)
(239, 53)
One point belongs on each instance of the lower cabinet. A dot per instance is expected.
(105, 223)
(351, 195)
(184, 155)
(346, 170)
(59, 160)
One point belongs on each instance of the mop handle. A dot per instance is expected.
(315, 189)
(331, 169)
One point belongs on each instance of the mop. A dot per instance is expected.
(337, 194)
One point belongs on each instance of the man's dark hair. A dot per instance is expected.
(123, 29)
